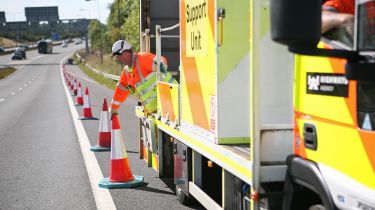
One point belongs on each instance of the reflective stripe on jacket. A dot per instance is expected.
(141, 80)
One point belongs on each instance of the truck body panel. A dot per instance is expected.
(325, 99)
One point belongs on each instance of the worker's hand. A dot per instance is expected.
(331, 20)
(113, 112)
(163, 67)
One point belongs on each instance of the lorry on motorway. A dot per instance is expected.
(45, 46)
(250, 125)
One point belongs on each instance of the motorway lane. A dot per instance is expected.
(41, 163)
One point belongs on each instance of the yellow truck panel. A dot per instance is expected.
(197, 61)
(325, 99)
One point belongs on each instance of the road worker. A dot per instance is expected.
(138, 76)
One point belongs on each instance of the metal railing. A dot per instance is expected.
(109, 76)
(159, 36)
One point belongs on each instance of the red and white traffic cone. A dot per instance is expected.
(67, 77)
(68, 80)
(71, 83)
(75, 87)
(104, 140)
(87, 114)
(120, 174)
(79, 99)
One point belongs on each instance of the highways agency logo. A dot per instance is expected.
(327, 84)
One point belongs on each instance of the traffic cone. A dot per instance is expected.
(71, 83)
(68, 79)
(75, 87)
(120, 174)
(87, 114)
(104, 140)
(79, 99)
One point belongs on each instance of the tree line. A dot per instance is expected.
(122, 23)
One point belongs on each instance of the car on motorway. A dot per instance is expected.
(17, 55)
(78, 41)
(22, 50)
(24, 46)
(64, 44)
(1, 49)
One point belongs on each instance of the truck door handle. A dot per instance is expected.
(220, 19)
(310, 136)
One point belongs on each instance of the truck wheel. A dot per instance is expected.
(181, 196)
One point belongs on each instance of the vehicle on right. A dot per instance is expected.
(333, 164)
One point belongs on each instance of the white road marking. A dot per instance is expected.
(102, 196)
(25, 85)
(2, 99)
(30, 82)
(20, 89)
(13, 93)
(37, 57)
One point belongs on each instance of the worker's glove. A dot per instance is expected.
(113, 112)
(163, 67)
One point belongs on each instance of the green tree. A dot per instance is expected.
(123, 22)
(130, 28)
(94, 32)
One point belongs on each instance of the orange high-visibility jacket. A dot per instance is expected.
(130, 80)
(342, 6)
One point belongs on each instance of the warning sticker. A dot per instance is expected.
(212, 113)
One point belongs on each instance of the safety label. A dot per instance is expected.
(327, 84)
(212, 113)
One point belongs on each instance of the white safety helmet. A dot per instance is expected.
(120, 46)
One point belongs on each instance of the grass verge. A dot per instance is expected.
(4, 72)
(98, 77)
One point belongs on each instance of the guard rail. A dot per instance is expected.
(109, 76)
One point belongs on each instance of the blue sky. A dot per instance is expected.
(68, 9)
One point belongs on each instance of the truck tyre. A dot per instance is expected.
(182, 197)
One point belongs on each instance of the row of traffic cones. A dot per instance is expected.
(120, 172)
(76, 91)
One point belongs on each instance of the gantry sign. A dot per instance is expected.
(36, 14)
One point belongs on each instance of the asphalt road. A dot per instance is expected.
(41, 163)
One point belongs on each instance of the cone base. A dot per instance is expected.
(97, 148)
(88, 118)
(78, 104)
(137, 181)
